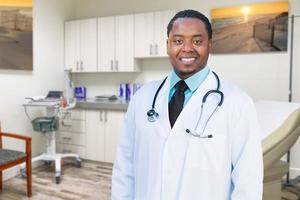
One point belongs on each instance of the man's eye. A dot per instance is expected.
(198, 42)
(177, 41)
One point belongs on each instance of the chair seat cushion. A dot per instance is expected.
(7, 156)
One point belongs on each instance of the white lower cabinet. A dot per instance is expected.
(71, 137)
(102, 133)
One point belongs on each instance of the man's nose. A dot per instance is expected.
(187, 46)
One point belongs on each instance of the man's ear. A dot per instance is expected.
(209, 45)
(167, 46)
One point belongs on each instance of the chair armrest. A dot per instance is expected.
(17, 136)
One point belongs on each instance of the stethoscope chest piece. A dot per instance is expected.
(152, 115)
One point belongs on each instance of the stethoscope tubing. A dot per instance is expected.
(153, 115)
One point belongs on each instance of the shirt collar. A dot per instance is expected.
(192, 82)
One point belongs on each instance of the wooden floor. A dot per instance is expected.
(90, 182)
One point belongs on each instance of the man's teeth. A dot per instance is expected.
(187, 59)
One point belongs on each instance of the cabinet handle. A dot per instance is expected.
(151, 49)
(117, 65)
(77, 68)
(111, 65)
(66, 125)
(67, 151)
(67, 138)
(156, 49)
(101, 119)
(81, 65)
(105, 116)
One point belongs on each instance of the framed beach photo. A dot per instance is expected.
(16, 34)
(261, 27)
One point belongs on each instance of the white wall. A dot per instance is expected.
(262, 75)
(48, 62)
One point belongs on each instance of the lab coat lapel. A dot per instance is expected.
(176, 145)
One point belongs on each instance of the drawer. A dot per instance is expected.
(76, 114)
(71, 138)
(68, 148)
(72, 126)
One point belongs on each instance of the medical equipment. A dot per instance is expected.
(153, 115)
(49, 125)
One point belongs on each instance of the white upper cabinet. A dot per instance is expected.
(81, 45)
(72, 41)
(143, 33)
(106, 44)
(151, 33)
(124, 43)
(115, 44)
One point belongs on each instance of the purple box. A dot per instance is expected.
(80, 92)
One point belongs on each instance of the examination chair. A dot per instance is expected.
(10, 158)
(280, 122)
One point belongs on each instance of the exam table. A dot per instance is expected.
(280, 124)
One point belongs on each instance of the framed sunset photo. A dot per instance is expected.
(261, 27)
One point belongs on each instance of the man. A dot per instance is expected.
(179, 149)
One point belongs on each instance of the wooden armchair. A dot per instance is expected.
(10, 158)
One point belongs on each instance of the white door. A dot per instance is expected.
(113, 126)
(143, 34)
(124, 43)
(95, 135)
(161, 21)
(72, 42)
(106, 44)
(88, 45)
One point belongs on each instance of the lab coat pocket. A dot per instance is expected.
(206, 153)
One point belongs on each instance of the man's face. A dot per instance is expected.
(188, 46)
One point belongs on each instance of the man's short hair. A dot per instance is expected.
(191, 14)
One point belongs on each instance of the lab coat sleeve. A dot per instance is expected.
(123, 169)
(246, 155)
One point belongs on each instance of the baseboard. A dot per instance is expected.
(15, 171)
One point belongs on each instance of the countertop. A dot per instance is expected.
(91, 103)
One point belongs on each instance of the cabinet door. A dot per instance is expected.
(143, 34)
(124, 43)
(72, 31)
(161, 21)
(113, 126)
(106, 43)
(88, 45)
(95, 135)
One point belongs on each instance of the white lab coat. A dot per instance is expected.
(155, 162)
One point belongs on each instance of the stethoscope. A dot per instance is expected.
(153, 115)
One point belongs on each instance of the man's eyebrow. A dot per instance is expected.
(179, 35)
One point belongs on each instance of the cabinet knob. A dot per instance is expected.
(111, 65)
(101, 119)
(105, 116)
(67, 151)
(117, 65)
(151, 49)
(81, 65)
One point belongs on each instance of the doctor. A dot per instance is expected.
(182, 141)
